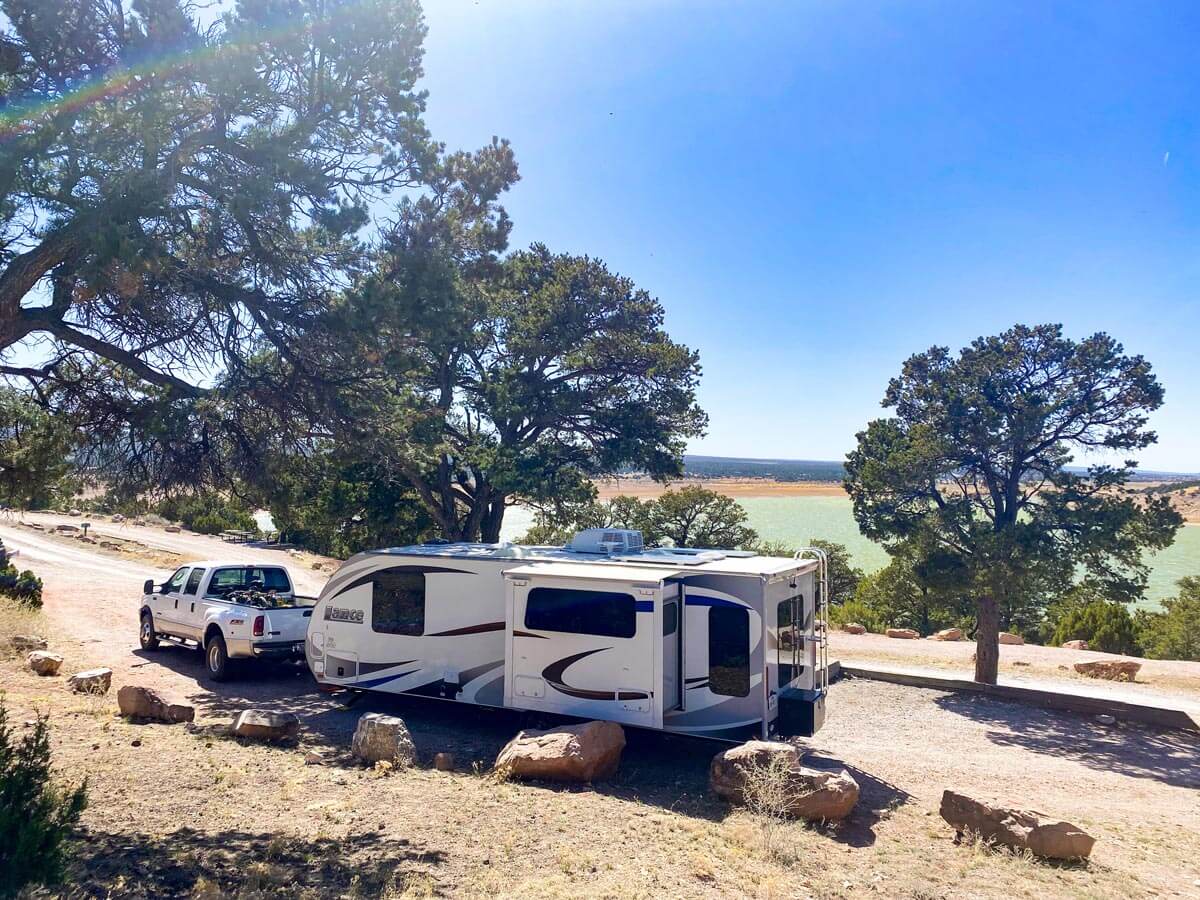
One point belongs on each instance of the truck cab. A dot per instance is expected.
(229, 610)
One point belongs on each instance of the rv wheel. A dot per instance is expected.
(146, 634)
(216, 658)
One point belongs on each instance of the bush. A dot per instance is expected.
(856, 611)
(207, 514)
(1105, 625)
(1173, 633)
(36, 816)
(24, 587)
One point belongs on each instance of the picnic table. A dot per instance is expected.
(237, 537)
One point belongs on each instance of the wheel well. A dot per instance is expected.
(145, 612)
(210, 631)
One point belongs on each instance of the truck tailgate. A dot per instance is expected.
(286, 624)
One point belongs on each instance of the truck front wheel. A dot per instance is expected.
(216, 658)
(146, 634)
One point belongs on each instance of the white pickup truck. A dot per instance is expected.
(230, 610)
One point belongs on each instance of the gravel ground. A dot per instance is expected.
(189, 812)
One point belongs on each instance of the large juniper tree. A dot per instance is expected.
(976, 455)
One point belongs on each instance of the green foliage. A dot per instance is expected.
(860, 612)
(903, 595)
(844, 577)
(36, 816)
(24, 586)
(1106, 626)
(691, 516)
(974, 461)
(1173, 633)
(34, 454)
(207, 513)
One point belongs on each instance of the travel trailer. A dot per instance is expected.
(721, 644)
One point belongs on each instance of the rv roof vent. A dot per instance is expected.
(610, 541)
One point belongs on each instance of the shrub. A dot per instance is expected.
(207, 514)
(24, 586)
(1173, 633)
(1105, 625)
(856, 611)
(36, 816)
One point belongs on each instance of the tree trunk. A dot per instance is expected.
(493, 520)
(987, 639)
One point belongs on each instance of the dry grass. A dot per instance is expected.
(18, 618)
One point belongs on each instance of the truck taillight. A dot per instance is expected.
(259, 621)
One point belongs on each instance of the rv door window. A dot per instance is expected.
(398, 603)
(603, 613)
(729, 651)
(670, 618)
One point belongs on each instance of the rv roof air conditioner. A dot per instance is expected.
(610, 541)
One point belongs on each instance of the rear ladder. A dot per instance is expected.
(820, 634)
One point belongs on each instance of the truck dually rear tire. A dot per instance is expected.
(216, 658)
(147, 636)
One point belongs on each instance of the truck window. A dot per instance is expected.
(398, 603)
(193, 582)
(176, 581)
(603, 613)
(729, 651)
(263, 578)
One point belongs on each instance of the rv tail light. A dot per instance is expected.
(259, 621)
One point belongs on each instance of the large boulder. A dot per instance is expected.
(1075, 645)
(147, 704)
(905, 634)
(1007, 637)
(44, 662)
(91, 681)
(854, 628)
(380, 738)
(813, 794)
(1110, 669)
(23, 643)
(584, 752)
(265, 725)
(948, 634)
(1021, 829)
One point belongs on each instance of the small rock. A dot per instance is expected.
(137, 702)
(443, 762)
(812, 794)
(95, 746)
(1075, 645)
(75, 512)
(91, 681)
(948, 634)
(172, 529)
(854, 628)
(1106, 719)
(1021, 829)
(314, 758)
(1110, 670)
(904, 634)
(23, 643)
(117, 517)
(379, 737)
(1019, 662)
(1007, 637)
(585, 752)
(136, 742)
(265, 725)
(43, 662)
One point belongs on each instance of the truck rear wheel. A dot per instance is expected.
(147, 636)
(216, 658)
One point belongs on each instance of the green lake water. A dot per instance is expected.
(797, 520)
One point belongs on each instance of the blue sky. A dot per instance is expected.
(817, 190)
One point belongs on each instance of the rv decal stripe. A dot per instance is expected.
(366, 668)
(469, 629)
(377, 682)
(529, 634)
(554, 672)
(644, 605)
(698, 600)
(367, 578)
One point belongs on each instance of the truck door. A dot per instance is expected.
(191, 605)
(167, 615)
(582, 647)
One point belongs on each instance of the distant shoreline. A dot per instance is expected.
(645, 488)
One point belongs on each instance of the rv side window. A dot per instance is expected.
(398, 603)
(603, 613)
(670, 618)
(729, 651)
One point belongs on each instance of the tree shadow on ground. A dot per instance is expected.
(191, 863)
(1139, 751)
(877, 799)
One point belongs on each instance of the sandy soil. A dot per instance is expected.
(189, 812)
(644, 488)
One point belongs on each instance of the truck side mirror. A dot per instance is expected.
(148, 587)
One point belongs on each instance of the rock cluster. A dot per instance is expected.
(147, 704)
(582, 753)
(1021, 829)
(812, 794)
(380, 738)
(23, 643)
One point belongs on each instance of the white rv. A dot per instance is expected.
(715, 643)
